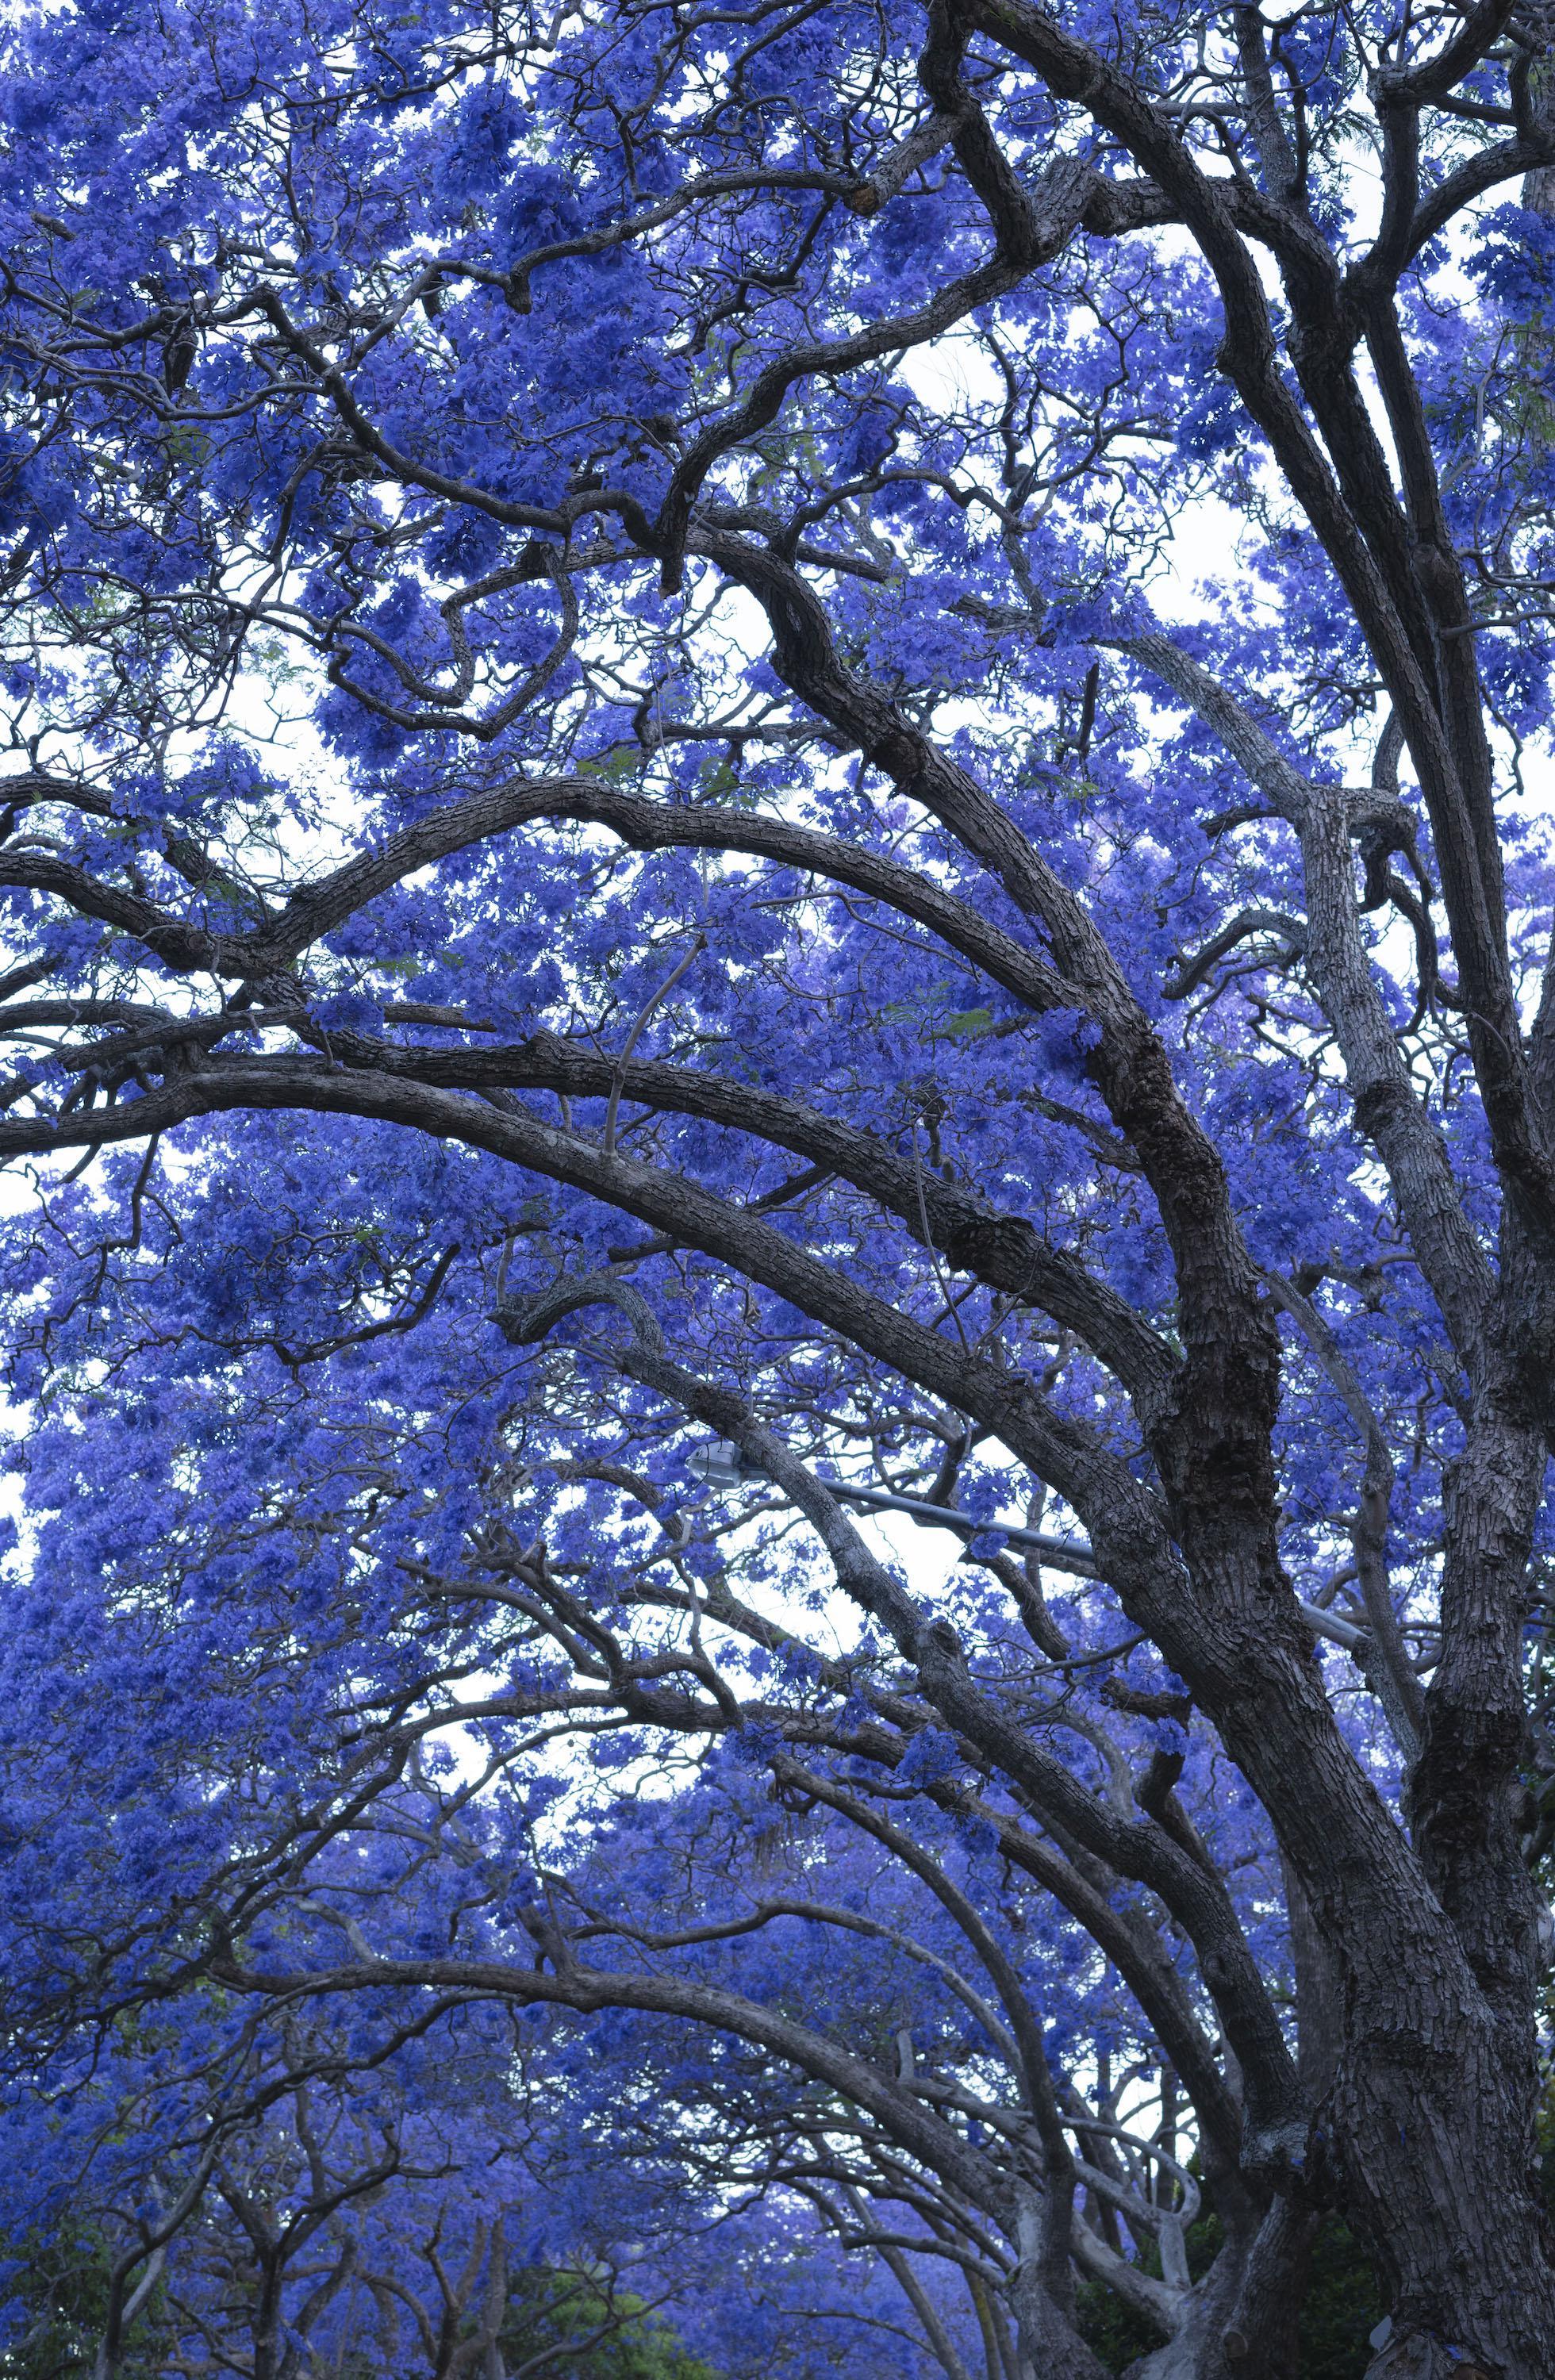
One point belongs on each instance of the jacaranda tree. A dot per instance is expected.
(280, 2180)
(429, 2208)
(821, 727)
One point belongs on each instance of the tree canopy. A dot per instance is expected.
(759, 756)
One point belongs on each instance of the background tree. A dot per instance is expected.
(703, 493)
(432, 2195)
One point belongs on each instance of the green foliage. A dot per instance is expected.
(66, 2296)
(548, 2311)
(549, 2314)
(1114, 2332)
(1343, 2307)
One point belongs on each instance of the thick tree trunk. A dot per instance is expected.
(1435, 2150)
(1439, 2078)
(1049, 2346)
(1428, 2125)
(1427, 2129)
(1244, 2319)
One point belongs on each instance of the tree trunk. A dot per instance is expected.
(1051, 2346)
(1436, 2155)
(1243, 2320)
